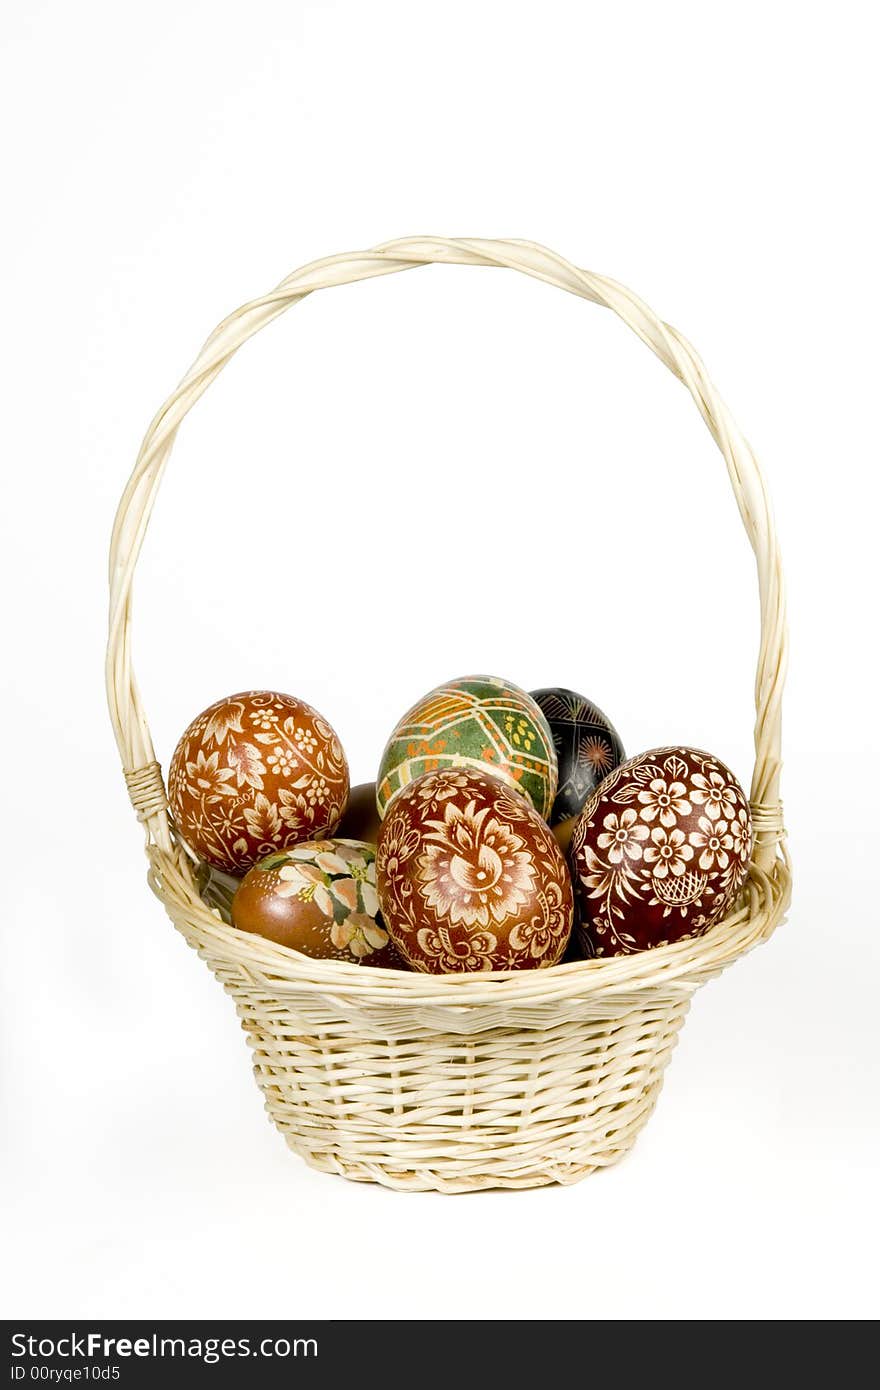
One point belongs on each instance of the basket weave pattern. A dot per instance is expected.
(461, 1082)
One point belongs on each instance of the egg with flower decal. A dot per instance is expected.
(482, 722)
(659, 852)
(254, 773)
(318, 898)
(470, 878)
(588, 747)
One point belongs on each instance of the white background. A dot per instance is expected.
(397, 483)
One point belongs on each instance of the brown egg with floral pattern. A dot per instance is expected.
(470, 878)
(255, 773)
(659, 852)
(318, 898)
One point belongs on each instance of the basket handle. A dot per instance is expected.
(142, 772)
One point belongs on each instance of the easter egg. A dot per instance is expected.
(361, 820)
(253, 773)
(479, 721)
(563, 831)
(318, 898)
(470, 877)
(659, 852)
(587, 747)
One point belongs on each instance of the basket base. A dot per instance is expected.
(423, 1111)
(583, 1159)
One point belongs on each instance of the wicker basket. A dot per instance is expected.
(460, 1082)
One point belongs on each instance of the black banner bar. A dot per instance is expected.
(386, 1352)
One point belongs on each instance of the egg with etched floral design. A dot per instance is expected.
(254, 773)
(318, 898)
(659, 852)
(470, 878)
(482, 722)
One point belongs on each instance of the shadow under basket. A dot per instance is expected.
(456, 1082)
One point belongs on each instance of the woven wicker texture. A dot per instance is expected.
(456, 1082)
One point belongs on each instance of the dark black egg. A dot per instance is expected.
(588, 747)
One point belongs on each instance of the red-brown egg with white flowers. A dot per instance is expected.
(659, 852)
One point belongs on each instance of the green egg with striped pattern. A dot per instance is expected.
(479, 721)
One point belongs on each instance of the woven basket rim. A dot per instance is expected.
(680, 966)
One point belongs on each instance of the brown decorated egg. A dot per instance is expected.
(361, 820)
(318, 898)
(470, 877)
(254, 773)
(659, 852)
